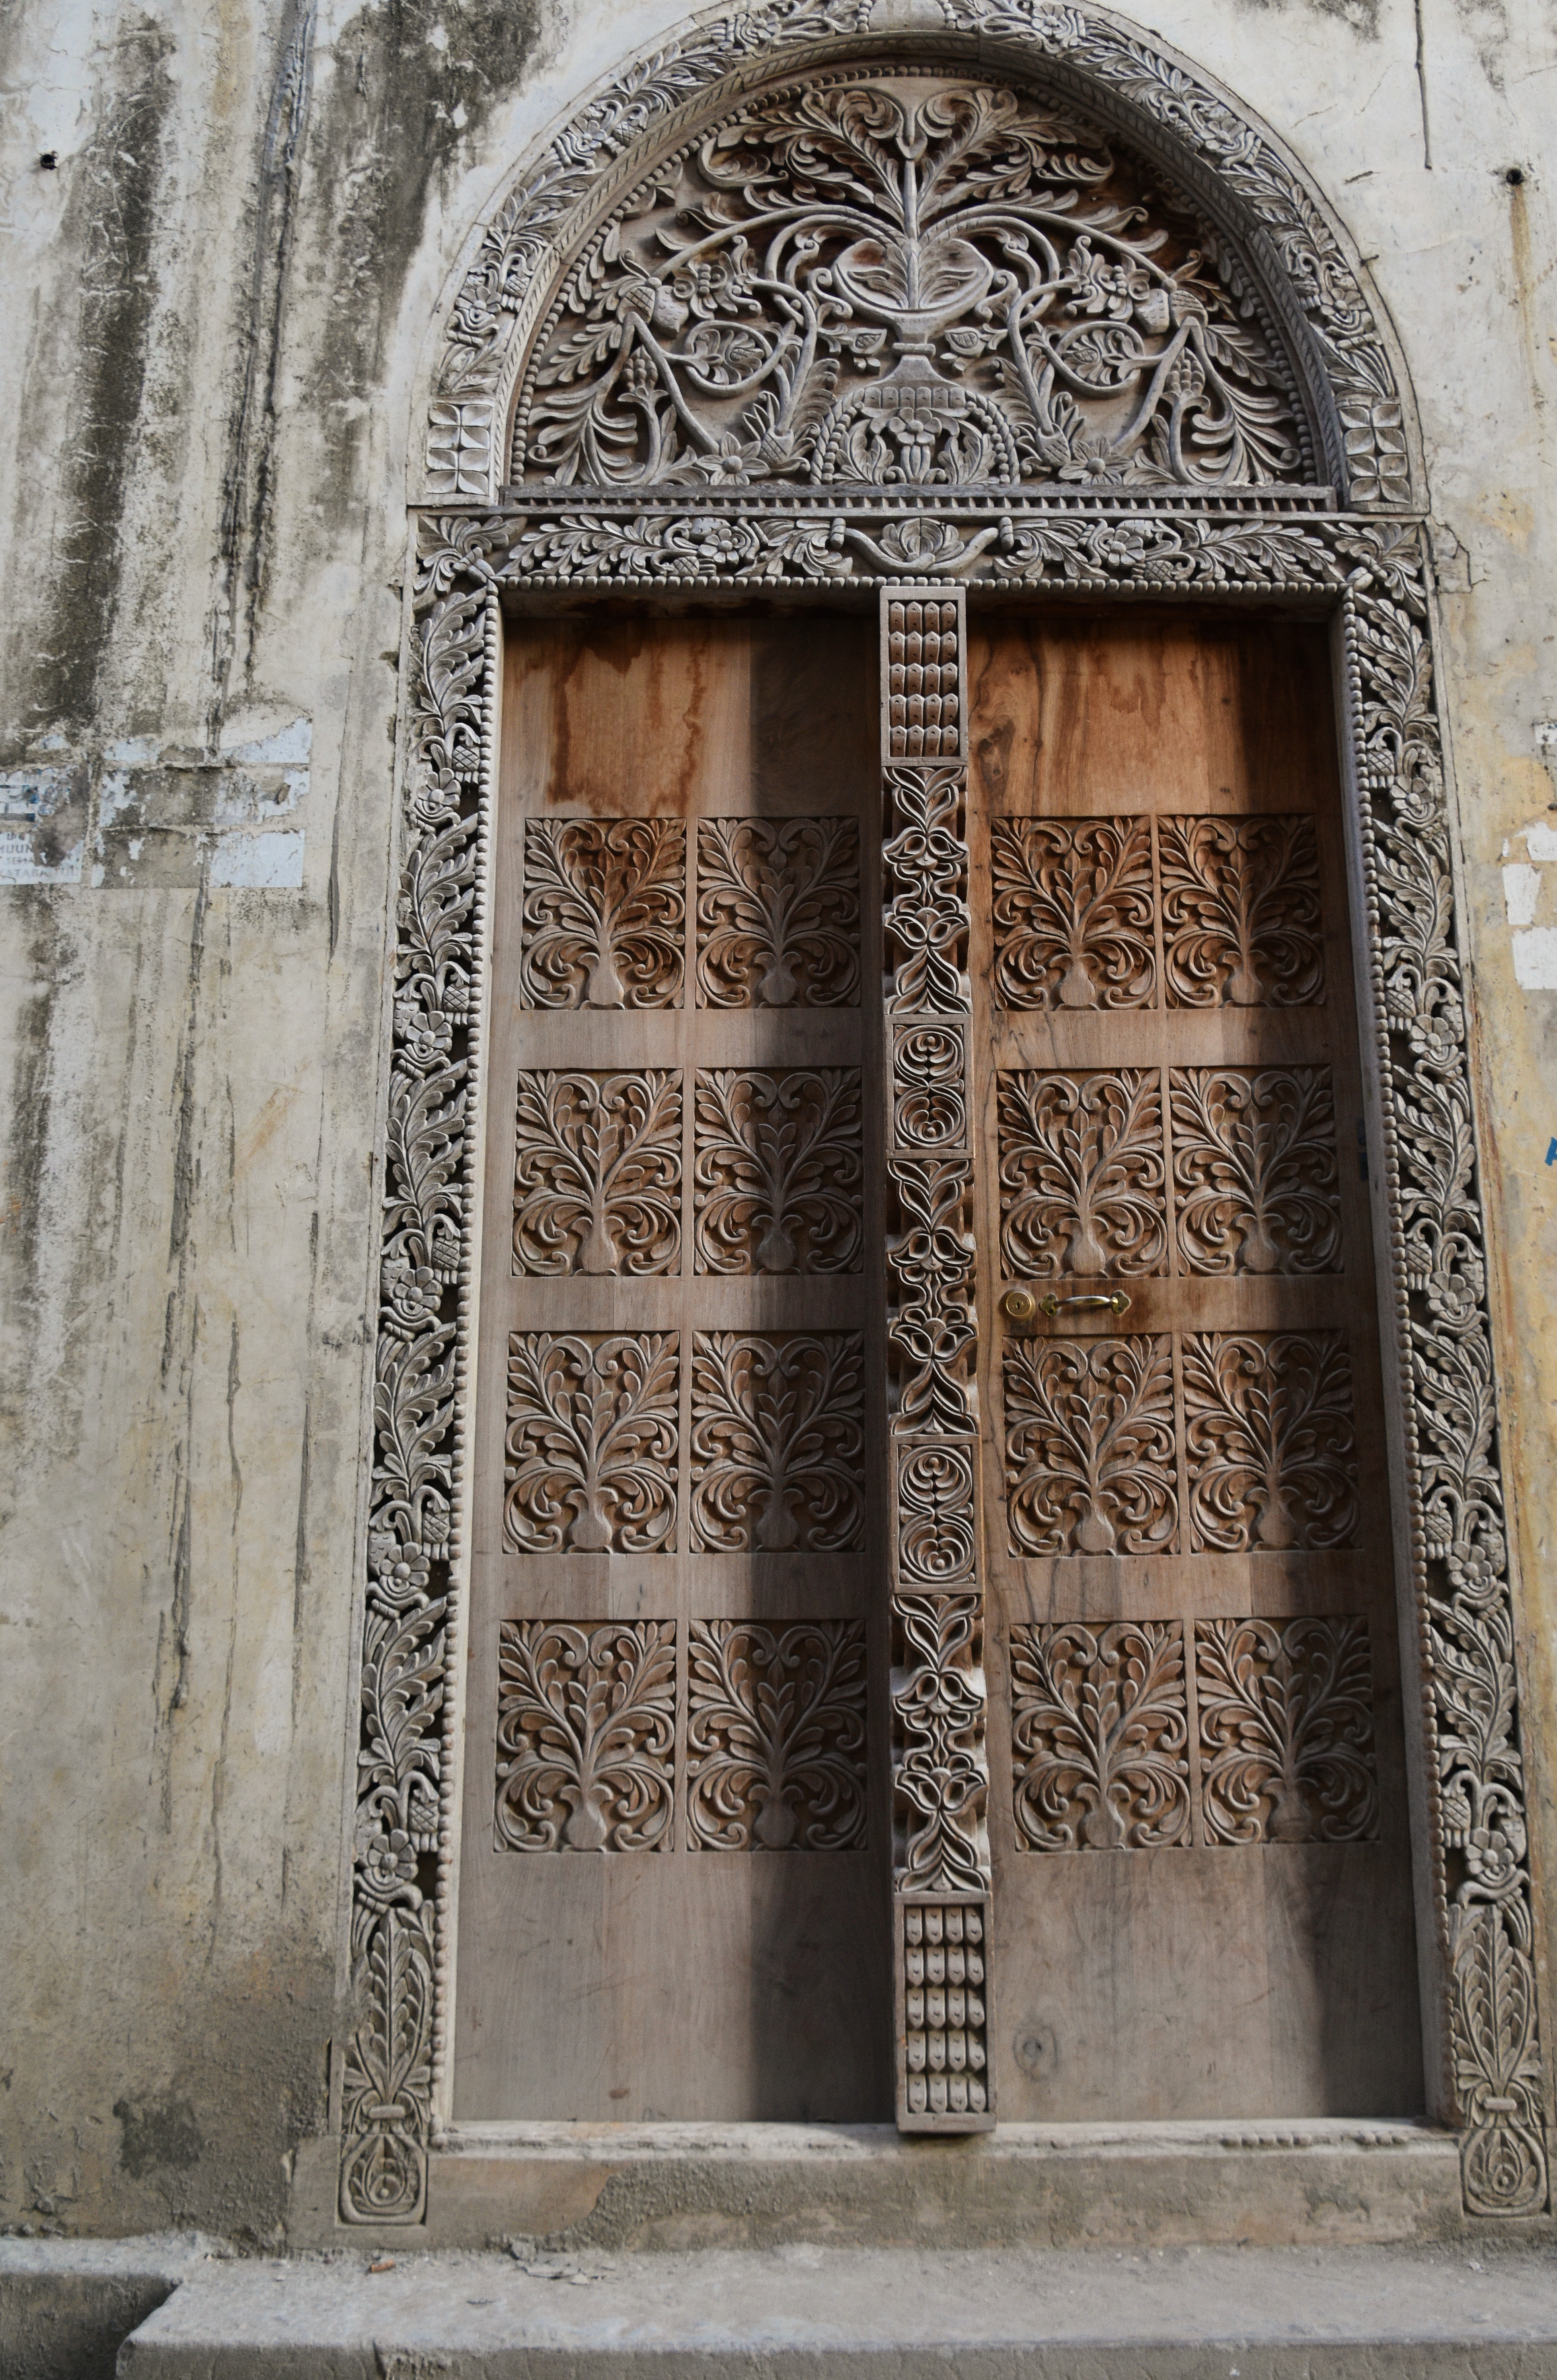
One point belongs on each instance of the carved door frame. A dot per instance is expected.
(1355, 550)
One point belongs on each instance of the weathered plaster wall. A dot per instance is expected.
(218, 301)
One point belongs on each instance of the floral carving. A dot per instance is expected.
(605, 913)
(1269, 1441)
(775, 1736)
(1089, 1463)
(936, 1511)
(596, 1172)
(925, 860)
(778, 912)
(1255, 1169)
(779, 1171)
(585, 1732)
(929, 1087)
(1241, 912)
(1286, 1730)
(591, 1442)
(1100, 1732)
(947, 284)
(1073, 913)
(940, 1775)
(777, 1438)
(932, 1330)
(1081, 1174)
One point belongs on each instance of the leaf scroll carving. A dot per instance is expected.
(1081, 1174)
(605, 913)
(1073, 916)
(1241, 912)
(586, 1733)
(778, 912)
(1089, 1463)
(775, 1736)
(596, 1172)
(777, 1440)
(1270, 1442)
(779, 1174)
(1100, 1732)
(1255, 1169)
(591, 1442)
(1286, 1730)
(952, 284)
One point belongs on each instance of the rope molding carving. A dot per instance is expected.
(1146, 96)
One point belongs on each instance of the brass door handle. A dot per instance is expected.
(1023, 1305)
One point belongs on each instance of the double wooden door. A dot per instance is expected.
(676, 1847)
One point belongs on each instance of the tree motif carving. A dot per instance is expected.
(605, 913)
(1081, 1174)
(1255, 1169)
(1241, 912)
(596, 1172)
(1074, 913)
(1286, 1730)
(957, 285)
(778, 912)
(775, 1736)
(777, 1440)
(1100, 1733)
(591, 1442)
(586, 1734)
(1270, 1439)
(929, 1079)
(778, 1173)
(1089, 1463)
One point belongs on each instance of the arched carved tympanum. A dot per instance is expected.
(1026, 304)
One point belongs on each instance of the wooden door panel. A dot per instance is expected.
(673, 1877)
(1198, 1811)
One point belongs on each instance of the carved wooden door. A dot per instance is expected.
(673, 1876)
(1201, 1894)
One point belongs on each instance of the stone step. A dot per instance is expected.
(806, 2312)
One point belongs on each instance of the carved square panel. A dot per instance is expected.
(775, 1736)
(929, 1087)
(586, 1735)
(779, 1169)
(1241, 924)
(777, 1441)
(1089, 1456)
(1287, 1724)
(778, 912)
(604, 919)
(1073, 919)
(597, 1172)
(591, 1442)
(1100, 1736)
(1255, 1174)
(1082, 1174)
(1270, 1442)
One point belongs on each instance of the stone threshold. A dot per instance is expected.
(805, 2313)
(676, 2186)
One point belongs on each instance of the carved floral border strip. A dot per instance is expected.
(1096, 59)
(1377, 571)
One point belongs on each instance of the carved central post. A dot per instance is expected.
(940, 1867)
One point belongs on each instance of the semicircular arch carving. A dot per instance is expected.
(1032, 249)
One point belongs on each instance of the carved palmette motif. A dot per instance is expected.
(393, 2053)
(778, 1173)
(1089, 1463)
(940, 1875)
(605, 913)
(586, 1736)
(1073, 913)
(1081, 1174)
(1286, 1730)
(778, 912)
(1255, 1170)
(1100, 1733)
(1241, 912)
(777, 1436)
(921, 279)
(591, 1441)
(775, 1736)
(596, 1172)
(1269, 1441)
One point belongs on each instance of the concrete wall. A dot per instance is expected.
(218, 295)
